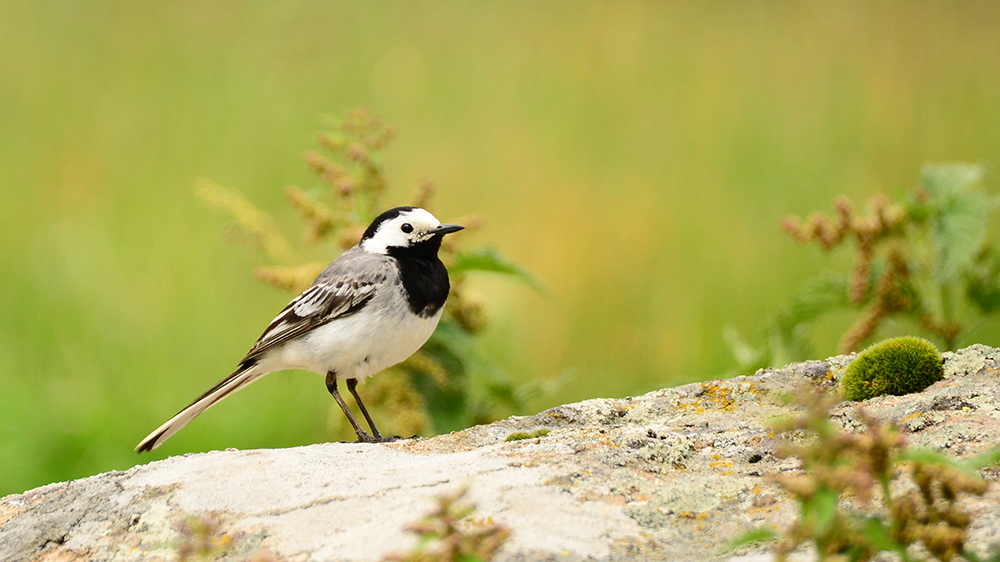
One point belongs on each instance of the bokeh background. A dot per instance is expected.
(637, 157)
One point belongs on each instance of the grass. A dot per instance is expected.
(637, 157)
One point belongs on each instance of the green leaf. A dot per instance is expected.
(960, 232)
(944, 180)
(753, 536)
(818, 296)
(820, 511)
(879, 535)
(787, 333)
(972, 557)
(451, 335)
(982, 287)
(489, 259)
(934, 457)
(985, 459)
(748, 358)
(985, 294)
(959, 212)
(477, 386)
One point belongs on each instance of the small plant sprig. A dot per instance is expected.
(925, 256)
(926, 248)
(204, 538)
(447, 534)
(449, 384)
(868, 466)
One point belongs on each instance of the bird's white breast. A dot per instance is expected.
(382, 334)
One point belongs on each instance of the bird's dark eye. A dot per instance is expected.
(407, 227)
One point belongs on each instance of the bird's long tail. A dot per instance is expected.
(246, 374)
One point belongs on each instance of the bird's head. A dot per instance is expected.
(405, 227)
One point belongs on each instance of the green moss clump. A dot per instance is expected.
(894, 366)
(520, 435)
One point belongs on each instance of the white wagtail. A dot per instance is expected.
(370, 309)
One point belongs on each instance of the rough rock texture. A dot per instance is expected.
(671, 475)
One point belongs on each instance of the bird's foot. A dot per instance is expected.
(366, 438)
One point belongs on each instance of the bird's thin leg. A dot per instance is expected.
(331, 385)
(352, 385)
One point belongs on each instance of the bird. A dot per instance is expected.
(371, 308)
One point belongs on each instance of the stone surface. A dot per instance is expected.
(671, 475)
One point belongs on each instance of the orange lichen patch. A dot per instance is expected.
(717, 395)
(721, 396)
(606, 441)
(696, 516)
(713, 397)
(719, 462)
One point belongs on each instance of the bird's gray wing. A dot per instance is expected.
(330, 297)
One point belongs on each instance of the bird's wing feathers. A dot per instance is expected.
(327, 299)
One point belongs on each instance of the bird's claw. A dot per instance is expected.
(366, 438)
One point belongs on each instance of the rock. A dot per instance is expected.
(671, 475)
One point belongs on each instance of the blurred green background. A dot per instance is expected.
(638, 157)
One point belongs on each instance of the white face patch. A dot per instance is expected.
(405, 230)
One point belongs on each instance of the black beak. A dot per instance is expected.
(447, 229)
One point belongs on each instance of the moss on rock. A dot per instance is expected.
(521, 435)
(894, 366)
